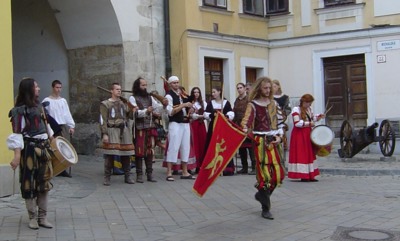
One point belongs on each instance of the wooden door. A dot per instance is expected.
(346, 90)
(251, 75)
(213, 71)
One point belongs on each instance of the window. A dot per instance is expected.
(329, 3)
(215, 3)
(257, 7)
(277, 6)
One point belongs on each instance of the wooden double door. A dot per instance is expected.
(346, 90)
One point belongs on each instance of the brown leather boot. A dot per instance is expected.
(126, 165)
(139, 169)
(150, 178)
(42, 204)
(108, 165)
(32, 213)
(149, 169)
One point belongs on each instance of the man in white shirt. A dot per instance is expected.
(57, 107)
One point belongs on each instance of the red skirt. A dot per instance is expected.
(198, 136)
(301, 155)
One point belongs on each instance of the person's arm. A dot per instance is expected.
(297, 121)
(209, 111)
(15, 141)
(103, 122)
(172, 110)
(248, 118)
(68, 118)
(230, 114)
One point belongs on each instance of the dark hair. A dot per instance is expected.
(136, 86)
(113, 84)
(243, 85)
(26, 93)
(55, 82)
(200, 100)
(219, 90)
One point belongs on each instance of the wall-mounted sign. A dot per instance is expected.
(381, 58)
(388, 45)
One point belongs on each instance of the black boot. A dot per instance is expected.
(139, 169)
(149, 169)
(243, 159)
(263, 196)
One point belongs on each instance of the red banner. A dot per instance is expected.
(225, 141)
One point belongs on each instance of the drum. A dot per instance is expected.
(322, 139)
(63, 155)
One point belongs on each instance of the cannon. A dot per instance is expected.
(352, 143)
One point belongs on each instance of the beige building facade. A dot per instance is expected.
(343, 52)
(6, 98)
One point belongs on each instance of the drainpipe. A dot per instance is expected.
(168, 68)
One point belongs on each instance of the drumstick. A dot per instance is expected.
(326, 112)
(327, 103)
(14, 183)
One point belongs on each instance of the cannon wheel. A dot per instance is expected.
(387, 138)
(346, 141)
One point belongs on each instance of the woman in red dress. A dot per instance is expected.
(197, 126)
(301, 153)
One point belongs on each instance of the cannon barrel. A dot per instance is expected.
(364, 137)
(369, 132)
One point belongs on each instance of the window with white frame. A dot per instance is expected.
(265, 7)
(215, 3)
(330, 3)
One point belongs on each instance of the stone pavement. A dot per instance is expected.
(354, 200)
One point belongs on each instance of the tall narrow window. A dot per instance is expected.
(215, 3)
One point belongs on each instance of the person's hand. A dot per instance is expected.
(105, 138)
(191, 110)
(149, 110)
(165, 102)
(188, 105)
(322, 116)
(312, 124)
(72, 131)
(277, 140)
(15, 162)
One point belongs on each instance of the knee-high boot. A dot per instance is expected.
(108, 165)
(139, 169)
(263, 196)
(32, 213)
(42, 204)
(126, 165)
(149, 169)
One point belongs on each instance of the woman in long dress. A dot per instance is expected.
(197, 126)
(224, 106)
(301, 153)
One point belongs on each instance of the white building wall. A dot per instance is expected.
(299, 68)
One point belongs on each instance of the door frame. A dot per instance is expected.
(318, 76)
(228, 69)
